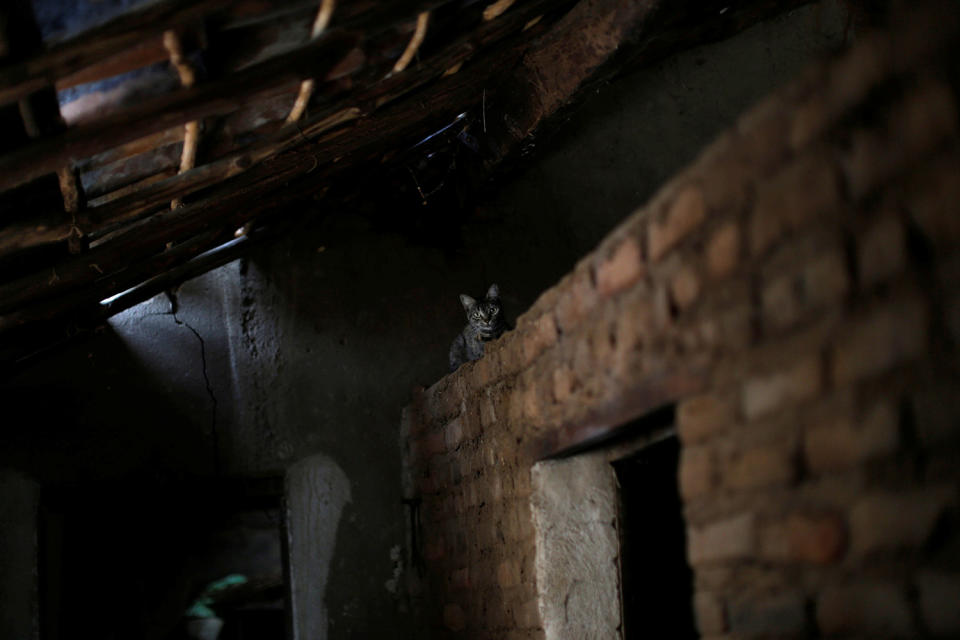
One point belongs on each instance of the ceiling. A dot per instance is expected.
(146, 143)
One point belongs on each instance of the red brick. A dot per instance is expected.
(825, 279)
(816, 284)
(726, 174)
(527, 615)
(508, 575)
(714, 578)
(684, 287)
(807, 189)
(471, 420)
(760, 466)
(774, 615)
(454, 618)
(460, 579)
(887, 521)
(488, 408)
(840, 444)
(780, 302)
(622, 268)
(683, 215)
(881, 250)
(730, 539)
(762, 132)
(434, 443)
(939, 597)
(700, 417)
(453, 434)
(443, 399)
(889, 336)
(532, 405)
(846, 84)
(564, 383)
(709, 613)
(488, 367)
(766, 393)
(578, 298)
(865, 609)
(538, 336)
(697, 471)
(913, 129)
(932, 195)
(816, 538)
(723, 251)
(495, 487)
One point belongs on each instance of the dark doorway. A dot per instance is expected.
(655, 580)
(128, 558)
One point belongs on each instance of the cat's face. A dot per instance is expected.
(483, 314)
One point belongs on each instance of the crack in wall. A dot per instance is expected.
(214, 434)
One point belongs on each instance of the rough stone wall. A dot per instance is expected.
(795, 291)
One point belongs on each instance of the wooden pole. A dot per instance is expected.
(158, 114)
(19, 79)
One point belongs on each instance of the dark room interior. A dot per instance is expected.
(257, 382)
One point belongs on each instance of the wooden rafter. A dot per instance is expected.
(136, 205)
(369, 98)
(158, 114)
(21, 78)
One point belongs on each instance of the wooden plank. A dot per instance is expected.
(229, 205)
(585, 48)
(158, 114)
(135, 147)
(19, 79)
(149, 238)
(130, 29)
(150, 198)
(147, 52)
(132, 206)
(603, 423)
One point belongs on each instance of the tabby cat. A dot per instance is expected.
(485, 322)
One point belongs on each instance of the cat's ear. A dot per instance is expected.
(467, 302)
(493, 293)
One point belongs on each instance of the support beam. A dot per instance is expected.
(595, 41)
(21, 78)
(148, 199)
(210, 99)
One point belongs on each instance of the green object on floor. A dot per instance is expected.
(201, 607)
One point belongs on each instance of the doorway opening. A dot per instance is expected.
(656, 583)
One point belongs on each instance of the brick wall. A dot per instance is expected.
(796, 293)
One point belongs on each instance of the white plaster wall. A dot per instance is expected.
(574, 516)
(317, 490)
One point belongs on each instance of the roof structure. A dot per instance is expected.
(157, 145)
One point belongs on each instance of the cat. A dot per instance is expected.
(485, 322)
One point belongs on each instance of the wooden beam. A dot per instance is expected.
(147, 52)
(41, 117)
(135, 205)
(173, 135)
(398, 118)
(151, 237)
(229, 205)
(158, 114)
(586, 47)
(95, 45)
(129, 30)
